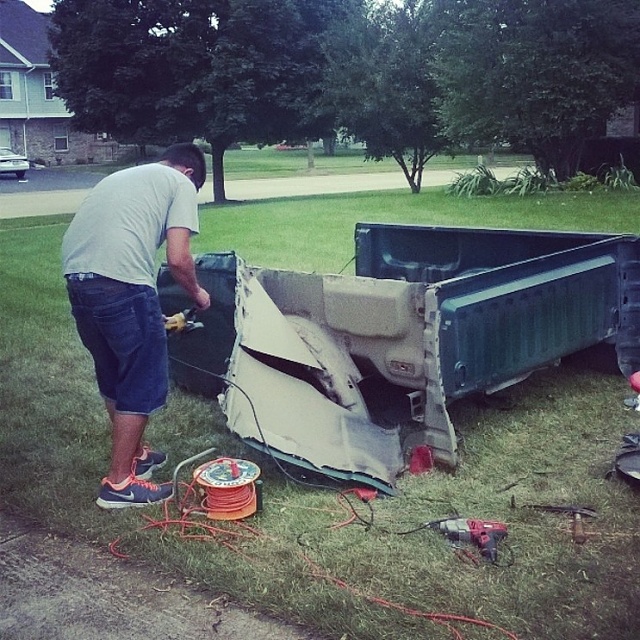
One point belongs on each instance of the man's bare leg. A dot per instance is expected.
(126, 436)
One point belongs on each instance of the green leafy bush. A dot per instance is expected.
(582, 182)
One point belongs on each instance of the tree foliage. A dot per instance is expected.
(110, 65)
(223, 70)
(541, 74)
(379, 82)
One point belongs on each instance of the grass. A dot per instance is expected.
(250, 162)
(271, 233)
(549, 439)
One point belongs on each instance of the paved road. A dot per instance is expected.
(48, 191)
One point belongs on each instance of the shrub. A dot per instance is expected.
(582, 182)
(528, 181)
(620, 178)
(483, 182)
(479, 182)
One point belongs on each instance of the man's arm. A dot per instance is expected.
(181, 265)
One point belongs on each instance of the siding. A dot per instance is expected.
(29, 98)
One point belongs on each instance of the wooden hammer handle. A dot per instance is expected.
(579, 536)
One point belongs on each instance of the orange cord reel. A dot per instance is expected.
(228, 488)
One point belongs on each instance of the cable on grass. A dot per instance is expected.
(352, 259)
(445, 619)
(191, 505)
(354, 515)
(226, 537)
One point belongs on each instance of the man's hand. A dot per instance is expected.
(202, 299)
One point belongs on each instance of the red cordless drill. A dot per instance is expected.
(484, 534)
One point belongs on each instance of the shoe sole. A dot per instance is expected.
(149, 472)
(105, 504)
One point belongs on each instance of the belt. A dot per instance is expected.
(79, 277)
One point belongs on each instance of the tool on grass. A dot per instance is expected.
(227, 488)
(484, 534)
(183, 322)
(576, 512)
(626, 464)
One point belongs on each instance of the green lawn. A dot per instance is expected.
(271, 233)
(251, 162)
(549, 439)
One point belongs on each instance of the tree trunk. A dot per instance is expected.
(329, 145)
(311, 163)
(559, 159)
(399, 158)
(217, 156)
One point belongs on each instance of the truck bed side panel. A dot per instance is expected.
(494, 334)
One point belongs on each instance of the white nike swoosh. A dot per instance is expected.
(128, 496)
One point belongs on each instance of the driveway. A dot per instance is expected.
(49, 180)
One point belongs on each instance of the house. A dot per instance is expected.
(626, 123)
(34, 121)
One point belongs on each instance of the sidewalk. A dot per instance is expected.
(57, 589)
(17, 205)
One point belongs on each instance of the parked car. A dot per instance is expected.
(291, 147)
(11, 162)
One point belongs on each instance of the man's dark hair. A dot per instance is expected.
(188, 155)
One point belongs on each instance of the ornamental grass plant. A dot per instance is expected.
(549, 439)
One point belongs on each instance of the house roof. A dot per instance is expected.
(23, 34)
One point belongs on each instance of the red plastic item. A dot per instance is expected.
(366, 495)
(421, 459)
(634, 381)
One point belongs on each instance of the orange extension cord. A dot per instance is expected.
(189, 529)
(228, 488)
(229, 500)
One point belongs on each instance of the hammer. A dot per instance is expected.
(578, 534)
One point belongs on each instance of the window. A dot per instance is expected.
(60, 137)
(48, 85)
(6, 87)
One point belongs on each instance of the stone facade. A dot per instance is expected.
(81, 148)
(74, 147)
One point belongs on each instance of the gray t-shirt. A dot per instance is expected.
(124, 219)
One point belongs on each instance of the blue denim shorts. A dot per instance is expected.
(122, 327)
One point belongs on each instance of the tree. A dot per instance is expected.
(379, 82)
(255, 69)
(544, 75)
(110, 65)
(222, 70)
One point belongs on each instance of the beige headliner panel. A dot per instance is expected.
(297, 420)
(270, 332)
(291, 415)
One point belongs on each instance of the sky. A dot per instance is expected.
(40, 5)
